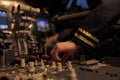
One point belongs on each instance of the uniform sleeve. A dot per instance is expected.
(97, 25)
(65, 35)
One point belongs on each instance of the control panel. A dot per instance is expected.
(71, 70)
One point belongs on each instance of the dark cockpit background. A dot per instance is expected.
(61, 6)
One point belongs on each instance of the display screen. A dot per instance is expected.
(43, 25)
(3, 19)
(80, 3)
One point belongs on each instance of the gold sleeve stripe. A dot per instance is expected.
(84, 40)
(88, 34)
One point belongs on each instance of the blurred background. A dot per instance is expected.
(25, 27)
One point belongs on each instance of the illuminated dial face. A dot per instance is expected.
(3, 20)
(3, 14)
(43, 25)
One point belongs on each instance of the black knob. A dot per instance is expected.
(106, 73)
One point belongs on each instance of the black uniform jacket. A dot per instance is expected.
(96, 27)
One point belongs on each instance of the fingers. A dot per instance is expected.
(55, 54)
(67, 48)
(65, 57)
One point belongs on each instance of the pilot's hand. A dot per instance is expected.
(68, 48)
